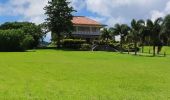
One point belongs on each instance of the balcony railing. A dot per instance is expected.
(86, 33)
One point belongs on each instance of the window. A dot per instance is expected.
(95, 29)
(84, 29)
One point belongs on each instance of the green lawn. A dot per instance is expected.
(78, 75)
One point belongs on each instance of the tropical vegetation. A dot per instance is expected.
(142, 33)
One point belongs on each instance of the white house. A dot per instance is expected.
(86, 28)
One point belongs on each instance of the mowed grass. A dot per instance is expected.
(79, 75)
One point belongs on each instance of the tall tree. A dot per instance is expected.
(135, 31)
(166, 30)
(144, 34)
(59, 16)
(106, 34)
(154, 29)
(113, 34)
(122, 31)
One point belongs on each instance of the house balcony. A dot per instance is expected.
(86, 33)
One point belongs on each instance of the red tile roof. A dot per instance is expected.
(81, 20)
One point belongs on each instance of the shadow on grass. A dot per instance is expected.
(57, 49)
(147, 55)
(42, 48)
(18, 51)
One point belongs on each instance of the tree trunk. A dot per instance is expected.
(158, 51)
(142, 48)
(149, 45)
(149, 51)
(128, 48)
(58, 41)
(154, 50)
(121, 46)
(107, 41)
(135, 48)
(142, 45)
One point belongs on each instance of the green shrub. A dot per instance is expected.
(100, 42)
(10, 40)
(27, 42)
(36, 31)
(73, 43)
(103, 42)
(130, 47)
(52, 44)
(15, 40)
(85, 47)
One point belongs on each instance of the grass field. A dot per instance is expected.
(78, 75)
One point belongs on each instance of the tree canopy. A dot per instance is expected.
(59, 16)
(28, 29)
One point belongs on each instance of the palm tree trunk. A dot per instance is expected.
(121, 45)
(135, 48)
(143, 45)
(107, 41)
(149, 45)
(142, 48)
(154, 50)
(128, 48)
(158, 50)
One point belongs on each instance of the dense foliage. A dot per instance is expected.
(28, 29)
(14, 40)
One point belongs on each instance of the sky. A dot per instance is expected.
(107, 12)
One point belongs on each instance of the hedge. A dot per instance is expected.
(73, 43)
(14, 40)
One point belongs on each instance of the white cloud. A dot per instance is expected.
(109, 7)
(78, 4)
(167, 8)
(156, 13)
(123, 11)
(99, 19)
(105, 11)
(112, 21)
(31, 10)
(37, 19)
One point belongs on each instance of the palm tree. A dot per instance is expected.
(166, 29)
(143, 36)
(106, 34)
(122, 30)
(154, 29)
(113, 34)
(136, 27)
